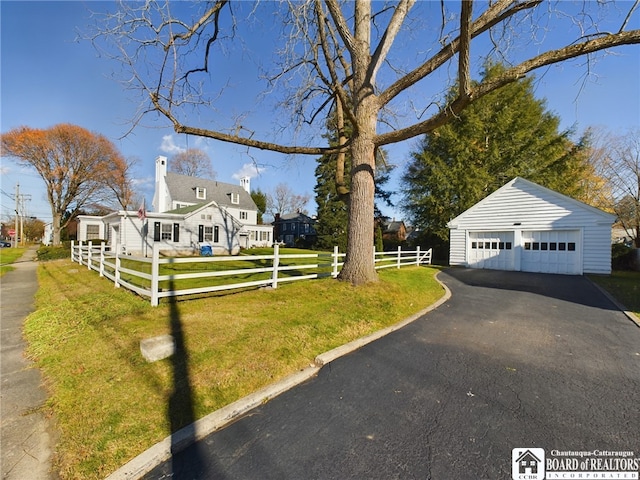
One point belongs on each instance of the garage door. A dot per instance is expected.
(492, 250)
(552, 252)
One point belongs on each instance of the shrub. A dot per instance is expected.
(621, 257)
(54, 253)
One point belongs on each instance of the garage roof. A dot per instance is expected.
(521, 198)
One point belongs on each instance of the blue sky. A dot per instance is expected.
(47, 77)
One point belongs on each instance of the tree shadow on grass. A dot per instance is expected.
(181, 410)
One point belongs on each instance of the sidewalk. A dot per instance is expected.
(27, 437)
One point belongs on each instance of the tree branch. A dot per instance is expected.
(492, 16)
(509, 76)
(464, 73)
(389, 36)
(341, 24)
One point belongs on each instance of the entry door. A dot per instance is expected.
(552, 252)
(492, 250)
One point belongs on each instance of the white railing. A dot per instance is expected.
(157, 277)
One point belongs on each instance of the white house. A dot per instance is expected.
(525, 227)
(189, 212)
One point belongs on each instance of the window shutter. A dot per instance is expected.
(176, 232)
(216, 234)
(200, 233)
(156, 231)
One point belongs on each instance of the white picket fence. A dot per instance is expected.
(143, 275)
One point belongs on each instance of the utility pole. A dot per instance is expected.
(23, 214)
(20, 214)
(15, 230)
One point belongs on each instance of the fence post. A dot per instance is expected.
(334, 273)
(102, 259)
(276, 264)
(89, 253)
(399, 255)
(418, 255)
(116, 276)
(80, 252)
(155, 270)
(72, 245)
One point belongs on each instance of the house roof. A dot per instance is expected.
(293, 217)
(182, 188)
(548, 194)
(189, 208)
(393, 226)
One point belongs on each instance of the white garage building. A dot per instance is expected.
(526, 227)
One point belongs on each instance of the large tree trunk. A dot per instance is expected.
(55, 226)
(359, 266)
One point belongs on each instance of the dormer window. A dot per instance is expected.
(201, 193)
(235, 198)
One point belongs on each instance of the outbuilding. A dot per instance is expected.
(526, 227)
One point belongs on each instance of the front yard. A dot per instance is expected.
(624, 286)
(110, 404)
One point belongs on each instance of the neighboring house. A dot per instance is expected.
(190, 212)
(394, 231)
(294, 228)
(525, 227)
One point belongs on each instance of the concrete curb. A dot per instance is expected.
(632, 316)
(161, 452)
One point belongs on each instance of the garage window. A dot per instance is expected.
(562, 246)
(553, 246)
(571, 246)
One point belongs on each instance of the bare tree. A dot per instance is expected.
(119, 184)
(283, 200)
(349, 56)
(78, 167)
(194, 163)
(621, 167)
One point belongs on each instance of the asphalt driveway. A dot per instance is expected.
(511, 360)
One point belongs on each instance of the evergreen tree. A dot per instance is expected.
(505, 134)
(332, 209)
(260, 199)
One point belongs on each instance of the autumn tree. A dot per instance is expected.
(77, 166)
(375, 62)
(192, 162)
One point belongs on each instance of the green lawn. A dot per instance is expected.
(8, 256)
(624, 286)
(110, 404)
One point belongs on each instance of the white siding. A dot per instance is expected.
(228, 230)
(597, 249)
(84, 221)
(458, 251)
(251, 215)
